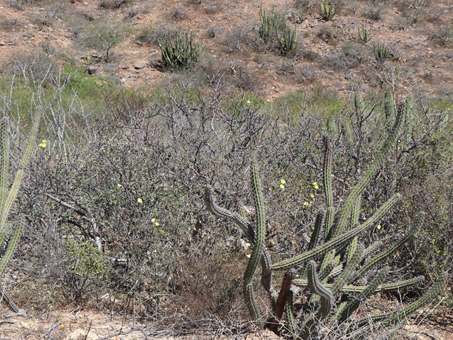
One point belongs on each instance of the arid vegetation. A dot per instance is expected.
(145, 104)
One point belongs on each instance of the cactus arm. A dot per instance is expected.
(11, 246)
(327, 178)
(266, 262)
(359, 106)
(318, 288)
(19, 175)
(393, 318)
(218, 211)
(289, 308)
(316, 231)
(322, 276)
(327, 181)
(384, 254)
(389, 106)
(348, 271)
(339, 240)
(426, 298)
(259, 243)
(359, 289)
(336, 271)
(353, 304)
(4, 166)
(371, 249)
(327, 301)
(368, 175)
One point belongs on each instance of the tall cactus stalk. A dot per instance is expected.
(339, 254)
(7, 197)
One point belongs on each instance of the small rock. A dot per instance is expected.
(85, 3)
(91, 69)
(140, 64)
(2, 43)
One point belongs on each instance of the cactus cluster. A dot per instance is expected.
(179, 51)
(327, 10)
(286, 42)
(268, 24)
(334, 260)
(269, 28)
(364, 34)
(381, 53)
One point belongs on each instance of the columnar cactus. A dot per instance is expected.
(7, 196)
(331, 265)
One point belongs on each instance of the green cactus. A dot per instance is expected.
(268, 24)
(354, 303)
(389, 107)
(393, 318)
(364, 35)
(258, 245)
(327, 10)
(381, 53)
(179, 51)
(286, 43)
(387, 287)
(339, 253)
(7, 197)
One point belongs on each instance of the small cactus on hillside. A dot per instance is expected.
(179, 51)
(327, 10)
(364, 34)
(268, 24)
(381, 53)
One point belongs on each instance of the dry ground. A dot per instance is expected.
(328, 53)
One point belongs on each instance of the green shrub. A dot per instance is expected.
(104, 37)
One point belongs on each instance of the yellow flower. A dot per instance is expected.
(119, 185)
(139, 200)
(62, 326)
(156, 224)
(43, 144)
(248, 101)
(379, 227)
(282, 186)
(315, 185)
(283, 181)
(248, 244)
(306, 204)
(312, 196)
(153, 220)
(248, 256)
